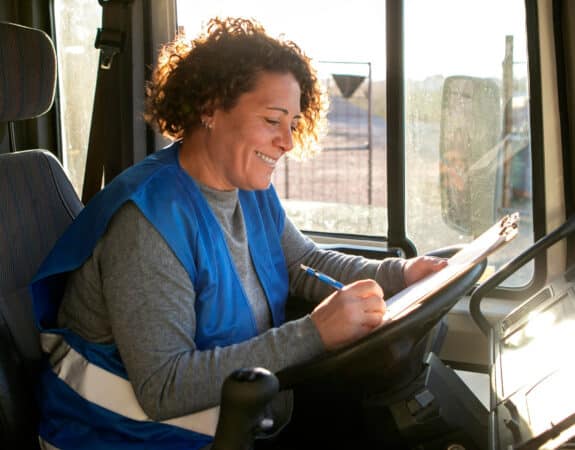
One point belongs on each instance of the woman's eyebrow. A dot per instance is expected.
(283, 110)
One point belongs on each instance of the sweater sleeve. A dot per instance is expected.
(299, 249)
(150, 303)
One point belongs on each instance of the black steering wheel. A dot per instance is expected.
(391, 355)
(387, 359)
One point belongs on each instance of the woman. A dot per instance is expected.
(177, 273)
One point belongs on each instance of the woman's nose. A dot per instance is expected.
(285, 139)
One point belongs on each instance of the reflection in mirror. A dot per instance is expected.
(470, 149)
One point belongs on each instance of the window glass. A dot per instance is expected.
(468, 152)
(343, 188)
(77, 71)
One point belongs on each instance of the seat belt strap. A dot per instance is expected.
(110, 132)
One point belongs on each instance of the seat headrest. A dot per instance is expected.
(27, 72)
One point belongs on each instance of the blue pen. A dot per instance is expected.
(322, 277)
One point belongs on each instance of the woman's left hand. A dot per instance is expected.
(421, 266)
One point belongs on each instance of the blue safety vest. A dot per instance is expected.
(85, 397)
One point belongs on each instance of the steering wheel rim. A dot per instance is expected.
(376, 362)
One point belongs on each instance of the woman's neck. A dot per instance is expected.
(194, 158)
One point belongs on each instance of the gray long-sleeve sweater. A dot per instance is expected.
(134, 292)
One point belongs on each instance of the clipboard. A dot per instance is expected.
(474, 252)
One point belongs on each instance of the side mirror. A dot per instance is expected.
(470, 152)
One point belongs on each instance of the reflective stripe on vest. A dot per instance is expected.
(46, 445)
(111, 391)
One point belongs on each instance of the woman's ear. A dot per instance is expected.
(209, 108)
(207, 116)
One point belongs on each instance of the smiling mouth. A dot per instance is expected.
(265, 158)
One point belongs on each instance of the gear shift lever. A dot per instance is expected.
(245, 393)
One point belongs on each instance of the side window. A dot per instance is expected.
(467, 131)
(468, 149)
(77, 71)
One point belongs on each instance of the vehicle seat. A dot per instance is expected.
(37, 202)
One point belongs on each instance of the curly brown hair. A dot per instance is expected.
(213, 70)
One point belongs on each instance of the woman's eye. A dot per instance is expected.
(277, 122)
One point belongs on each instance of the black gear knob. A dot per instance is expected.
(245, 394)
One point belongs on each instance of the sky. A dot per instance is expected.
(444, 37)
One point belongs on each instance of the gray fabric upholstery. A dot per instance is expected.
(37, 202)
(27, 93)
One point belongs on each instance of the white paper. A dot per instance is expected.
(474, 252)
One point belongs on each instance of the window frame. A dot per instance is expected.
(397, 234)
(397, 241)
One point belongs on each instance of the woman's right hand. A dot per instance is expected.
(349, 314)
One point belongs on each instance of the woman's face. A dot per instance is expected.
(245, 143)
